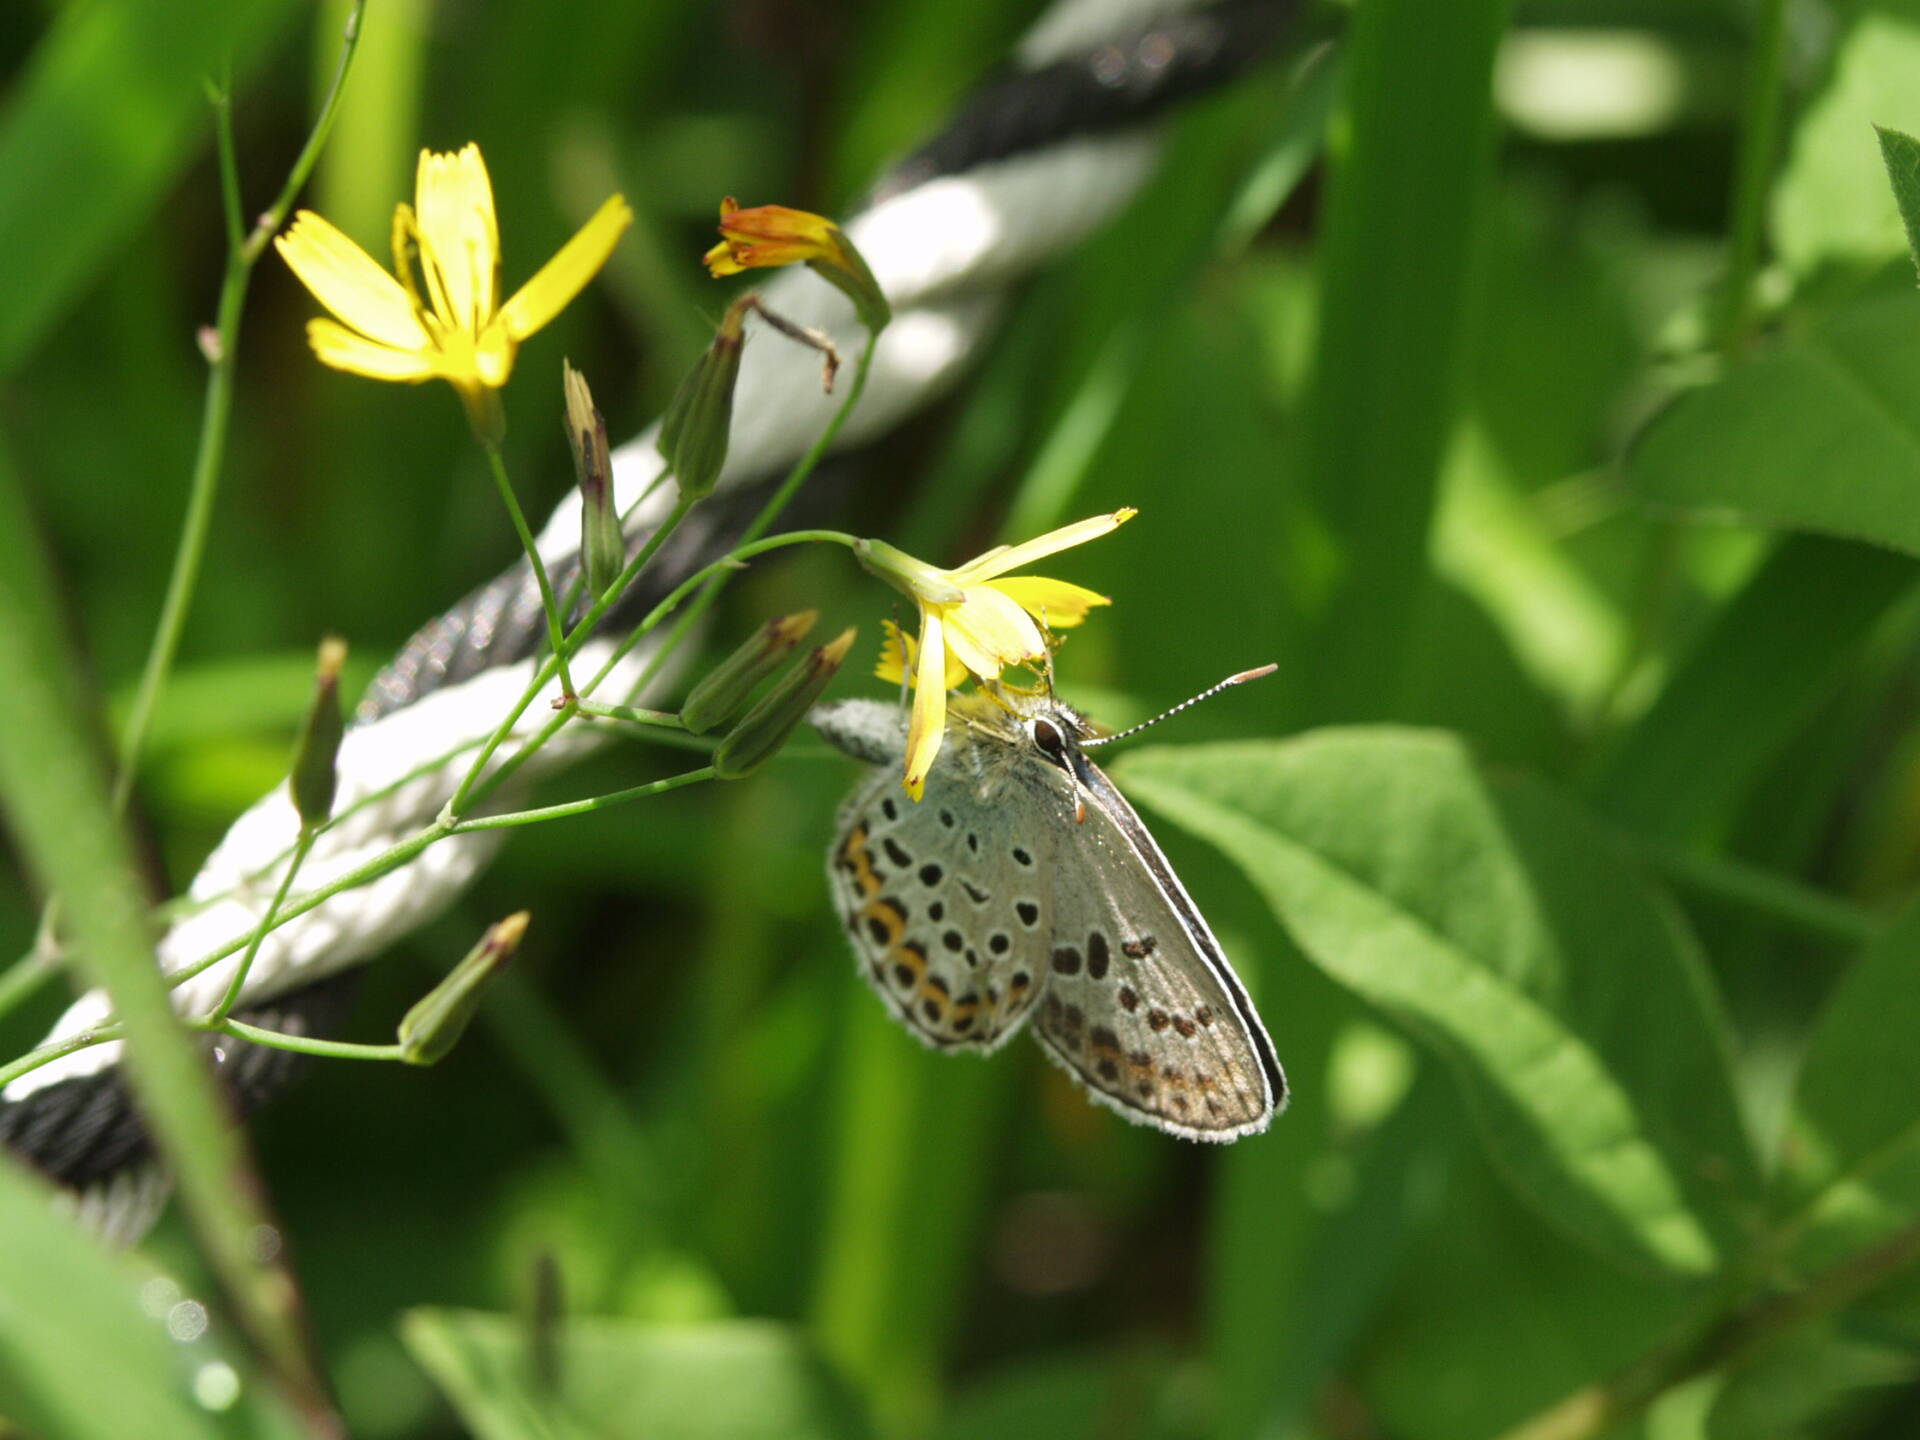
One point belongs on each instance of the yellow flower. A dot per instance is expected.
(976, 619)
(771, 235)
(448, 324)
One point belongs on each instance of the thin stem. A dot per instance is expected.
(239, 981)
(1727, 1342)
(582, 807)
(463, 795)
(728, 562)
(761, 524)
(47, 1054)
(664, 719)
(1753, 172)
(275, 215)
(217, 408)
(298, 1044)
(555, 622)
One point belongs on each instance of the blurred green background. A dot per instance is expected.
(1546, 374)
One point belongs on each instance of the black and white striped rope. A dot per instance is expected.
(1035, 160)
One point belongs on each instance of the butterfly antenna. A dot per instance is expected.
(1258, 672)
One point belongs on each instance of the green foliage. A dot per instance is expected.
(1571, 856)
(731, 1381)
(1501, 930)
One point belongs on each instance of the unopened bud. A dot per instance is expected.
(433, 1026)
(757, 738)
(696, 427)
(728, 685)
(780, 235)
(314, 777)
(603, 549)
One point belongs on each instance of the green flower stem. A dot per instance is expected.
(217, 410)
(718, 570)
(46, 1054)
(714, 576)
(24, 977)
(463, 798)
(301, 848)
(298, 1044)
(497, 463)
(769, 513)
(384, 863)
(583, 807)
(664, 719)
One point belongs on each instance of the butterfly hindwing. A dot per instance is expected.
(945, 928)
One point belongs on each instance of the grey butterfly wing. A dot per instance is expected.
(1140, 1004)
(947, 925)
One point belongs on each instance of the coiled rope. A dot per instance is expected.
(1038, 157)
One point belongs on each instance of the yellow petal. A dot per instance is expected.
(346, 280)
(988, 631)
(1012, 557)
(928, 726)
(899, 653)
(1054, 603)
(343, 350)
(459, 236)
(493, 356)
(567, 273)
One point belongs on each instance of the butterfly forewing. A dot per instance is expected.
(944, 917)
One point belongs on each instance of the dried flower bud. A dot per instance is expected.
(728, 685)
(313, 777)
(695, 430)
(433, 1026)
(769, 235)
(603, 549)
(757, 738)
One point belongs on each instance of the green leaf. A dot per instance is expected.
(1502, 930)
(1901, 154)
(1821, 434)
(621, 1377)
(1831, 203)
(1815, 1383)
(69, 1315)
(1852, 1151)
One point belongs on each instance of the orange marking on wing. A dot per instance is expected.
(858, 859)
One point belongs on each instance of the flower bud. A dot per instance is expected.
(726, 687)
(696, 427)
(433, 1026)
(603, 549)
(768, 235)
(757, 738)
(313, 776)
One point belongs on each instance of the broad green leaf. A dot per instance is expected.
(110, 110)
(1820, 434)
(1901, 154)
(1852, 1152)
(621, 1377)
(1831, 202)
(1502, 930)
(70, 1315)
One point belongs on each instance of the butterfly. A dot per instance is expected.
(1024, 890)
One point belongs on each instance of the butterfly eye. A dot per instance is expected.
(1046, 735)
